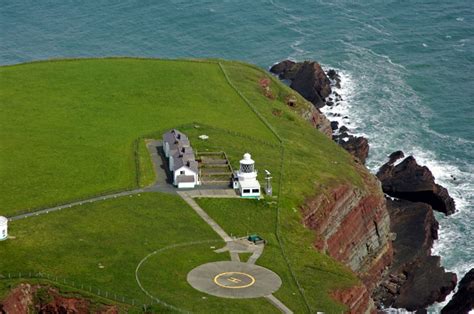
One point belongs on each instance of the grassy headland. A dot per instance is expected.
(68, 131)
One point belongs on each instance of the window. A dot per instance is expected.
(255, 191)
(246, 191)
(181, 172)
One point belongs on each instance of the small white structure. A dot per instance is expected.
(245, 179)
(181, 159)
(185, 174)
(3, 228)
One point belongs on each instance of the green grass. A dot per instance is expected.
(244, 217)
(155, 280)
(67, 127)
(117, 234)
(68, 130)
(146, 171)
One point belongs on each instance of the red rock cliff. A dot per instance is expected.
(353, 226)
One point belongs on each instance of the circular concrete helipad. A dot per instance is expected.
(234, 280)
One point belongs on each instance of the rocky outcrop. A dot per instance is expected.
(318, 120)
(352, 225)
(357, 299)
(310, 80)
(307, 78)
(463, 301)
(44, 299)
(415, 279)
(357, 146)
(413, 182)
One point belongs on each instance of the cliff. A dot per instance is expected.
(352, 225)
(415, 278)
(463, 301)
(26, 298)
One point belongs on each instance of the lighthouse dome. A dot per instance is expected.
(247, 159)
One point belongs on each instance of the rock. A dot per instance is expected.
(356, 298)
(395, 156)
(282, 68)
(307, 78)
(413, 182)
(416, 228)
(357, 146)
(318, 120)
(428, 283)
(334, 125)
(343, 129)
(353, 227)
(332, 74)
(329, 103)
(417, 276)
(463, 300)
(26, 298)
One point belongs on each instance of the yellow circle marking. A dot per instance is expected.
(252, 280)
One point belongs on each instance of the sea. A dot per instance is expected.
(407, 67)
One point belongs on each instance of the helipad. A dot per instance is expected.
(234, 280)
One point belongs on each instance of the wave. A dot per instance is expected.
(379, 104)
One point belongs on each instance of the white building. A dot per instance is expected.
(181, 159)
(245, 179)
(185, 174)
(3, 228)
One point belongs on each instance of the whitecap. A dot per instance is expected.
(425, 45)
(460, 19)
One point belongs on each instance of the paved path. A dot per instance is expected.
(213, 193)
(160, 185)
(256, 254)
(277, 303)
(187, 198)
(90, 200)
(162, 174)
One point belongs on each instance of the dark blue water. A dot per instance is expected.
(407, 66)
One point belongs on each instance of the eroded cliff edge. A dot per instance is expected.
(352, 225)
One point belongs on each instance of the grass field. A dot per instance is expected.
(69, 129)
(244, 217)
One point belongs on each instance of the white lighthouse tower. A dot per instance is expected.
(245, 179)
(3, 228)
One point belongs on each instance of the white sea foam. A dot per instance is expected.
(384, 108)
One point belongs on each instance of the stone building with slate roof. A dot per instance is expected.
(181, 159)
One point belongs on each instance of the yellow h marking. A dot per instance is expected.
(234, 280)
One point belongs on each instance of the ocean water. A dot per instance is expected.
(407, 67)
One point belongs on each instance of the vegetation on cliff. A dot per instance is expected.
(83, 118)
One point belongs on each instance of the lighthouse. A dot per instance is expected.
(245, 179)
(3, 228)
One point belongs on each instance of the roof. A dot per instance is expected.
(247, 159)
(249, 184)
(174, 136)
(182, 151)
(184, 178)
(191, 164)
